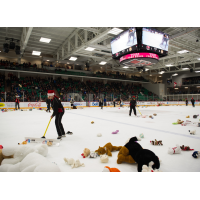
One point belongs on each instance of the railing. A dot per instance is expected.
(72, 73)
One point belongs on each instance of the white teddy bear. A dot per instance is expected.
(20, 152)
(73, 163)
(104, 158)
(33, 162)
(174, 150)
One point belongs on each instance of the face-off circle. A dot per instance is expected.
(139, 59)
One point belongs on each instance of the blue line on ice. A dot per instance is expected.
(190, 136)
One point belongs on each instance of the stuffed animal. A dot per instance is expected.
(196, 154)
(192, 132)
(33, 162)
(1, 147)
(108, 169)
(24, 142)
(149, 168)
(86, 152)
(92, 122)
(186, 148)
(174, 150)
(143, 116)
(150, 116)
(155, 114)
(93, 155)
(179, 121)
(195, 116)
(132, 152)
(108, 148)
(99, 135)
(104, 158)
(74, 163)
(115, 132)
(141, 135)
(188, 116)
(49, 143)
(14, 155)
(156, 142)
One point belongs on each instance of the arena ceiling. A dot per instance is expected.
(69, 42)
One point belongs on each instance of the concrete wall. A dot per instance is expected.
(158, 89)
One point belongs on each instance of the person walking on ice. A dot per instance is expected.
(132, 106)
(58, 112)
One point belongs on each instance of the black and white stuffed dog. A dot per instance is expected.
(140, 155)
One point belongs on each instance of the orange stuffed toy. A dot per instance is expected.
(108, 169)
(107, 149)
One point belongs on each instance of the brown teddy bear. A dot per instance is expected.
(179, 121)
(123, 156)
(155, 114)
(107, 149)
(3, 156)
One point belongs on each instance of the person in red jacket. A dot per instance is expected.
(58, 112)
(17, 102)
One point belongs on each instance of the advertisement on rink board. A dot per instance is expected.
(27, 105)
(79, 104)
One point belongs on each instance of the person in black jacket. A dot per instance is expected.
(114, 102)
(186, 102)
(58, 112)
(192, 100)
(48, 101)
(132, 106)
(101, 103)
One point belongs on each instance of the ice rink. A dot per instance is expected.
(16, 125)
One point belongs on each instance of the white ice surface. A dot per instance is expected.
(16, 125)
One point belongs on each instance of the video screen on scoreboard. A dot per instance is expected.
(155, 38)
(124, 43)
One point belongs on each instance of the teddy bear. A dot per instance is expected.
(192, 132)
(132, 152)
(155, 114)
(104, 158)
(188, 116)
(73, 163)
(93, 155)
(107, 149)
(156, 142)
(174, 150)
(24, 142)
(33, 162)
(179, 121)
(13, 155)
(108, 169)
(196, 154)
(86, 152)
(186, 148)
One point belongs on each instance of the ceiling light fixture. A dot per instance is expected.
(160, 76)
(102, 63)
(186, 87)
(146, 69)
(115, 31)
(185, 68)
(90, 49)
(176, 88)
(73, 58)
(37, 53)
(183, 51)
(198, 58)
(125, 67)
(197, 71)
(175, 74)
(47, 60)
(150, 75)
(46, 40)
(170, 65)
